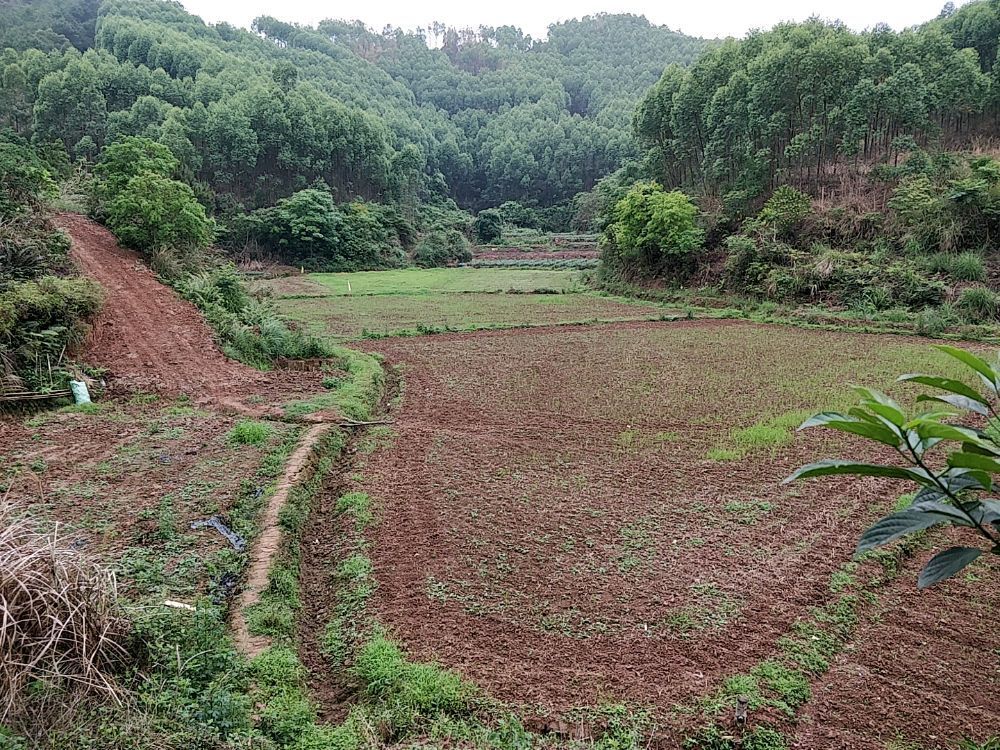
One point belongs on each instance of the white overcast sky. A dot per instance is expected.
(709, 18)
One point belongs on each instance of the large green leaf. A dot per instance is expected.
(833, 467)
(959, 402)
(945, 384)
(859, 413)
(983, 479)
(882, 405)
(954, 483)
(986, 372)
(895, 526)
(932, 429)
(946, 564)
(937, 416)
(991, 511)
(980, 450)
(871, 394)
(947, 513)
(890, 415)
(974, 461)
(871, 430)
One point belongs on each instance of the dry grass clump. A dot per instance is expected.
(61, 630)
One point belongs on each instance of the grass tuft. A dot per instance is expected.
(408, 691)
(978, 304)
(249, 432)
(358, 506)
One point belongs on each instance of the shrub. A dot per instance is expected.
(784, 211)
(24, 179)
(952, 205)
(442, 248)
(309, 228)
(517, 215)
(30, 247)
(763, 268)
(978, 304)
(653, 232)
(248, 329)
(908, 285)
(38, 320)
(922, 212)
(770, 269)
(129, 158)
(153, 211)
(488, 226)
(221, 287)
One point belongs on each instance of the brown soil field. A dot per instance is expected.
(564, 522)
(927, 662)
(130, 476)
(569, 517)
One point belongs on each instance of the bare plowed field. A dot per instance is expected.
(574, 516)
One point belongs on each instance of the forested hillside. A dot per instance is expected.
(805, 102)
(334, 147)
(338, 147)
(854, 169)
(490, 116)
(541, 120)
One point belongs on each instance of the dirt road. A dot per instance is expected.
(145, 335)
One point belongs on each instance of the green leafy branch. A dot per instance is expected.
(952, 493)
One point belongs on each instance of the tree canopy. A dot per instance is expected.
(805, 101)
(483, 115)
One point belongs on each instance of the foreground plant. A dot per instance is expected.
(953, 465)
(60, 624)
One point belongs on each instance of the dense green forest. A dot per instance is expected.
(806, 103)
(489, 116)
(856, 169)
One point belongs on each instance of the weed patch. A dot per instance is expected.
(766, 436)
(247, 432)
(355, 396)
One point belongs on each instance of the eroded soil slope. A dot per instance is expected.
(145, 334)
(149, 339)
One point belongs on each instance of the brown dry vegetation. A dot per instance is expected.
(60, 621)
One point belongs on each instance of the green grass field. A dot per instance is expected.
(430, 280)
(345, 317)
(344, 306)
